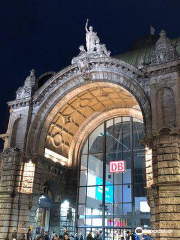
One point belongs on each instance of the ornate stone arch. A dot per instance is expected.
(70, 81)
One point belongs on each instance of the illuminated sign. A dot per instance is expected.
(117, 166)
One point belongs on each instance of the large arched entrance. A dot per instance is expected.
(70, 140)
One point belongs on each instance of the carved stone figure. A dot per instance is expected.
(91, 38)
(168, 108)
(164, 51)
(81, 59)
(94, 49)
(142, 63)
(101, 49)
(26, 90)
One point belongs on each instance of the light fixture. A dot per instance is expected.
(30, 161)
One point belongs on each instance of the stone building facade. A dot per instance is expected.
(50, 121)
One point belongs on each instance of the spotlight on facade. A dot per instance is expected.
(30, 161)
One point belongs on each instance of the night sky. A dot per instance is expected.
(45, 34)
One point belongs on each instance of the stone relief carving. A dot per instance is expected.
(166, 110)
(164, 51)
(26, 90)
(142, 63)
(168, 107)
(94, 49)
(81, 60)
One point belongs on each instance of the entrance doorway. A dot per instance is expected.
(44, 211)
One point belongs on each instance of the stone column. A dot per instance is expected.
(8, 199)
(55, 218)
(166, 187)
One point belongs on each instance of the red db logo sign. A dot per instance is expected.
(117, 166)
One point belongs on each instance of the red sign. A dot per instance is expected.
(117, 166)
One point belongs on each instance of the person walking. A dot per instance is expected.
(53, 235)
(76, 237)
(42, 233)
(128, 235)
(89, 236)
(66, 237)
(46, 236)
(29, 234)
(64, 233)
(14, 235)
(134, 236)
(81, 236)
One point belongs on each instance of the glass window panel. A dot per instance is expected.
(118, 210)
(97, 211)
(81, 209)
(81, 221)
(111, 143)
(126, 137)
(109, 209)
(83, 178)
(140, 190)
(109, 221)
(127, 176)
(109, 126)
(109, 157)
(96, 140)
(94, 197)
(95, 170)
(117, 193)
(120, 222)
(84, 159)
(81, 231)
(108, 232)
(108, 194)
(93, 220)
(127, 159)
(82, 194)
(139, 159)
(118, 125)
(92, 179)
(96, 222)
(127, 195)
(85, 148)
(139, 176)
(88, 221)
(127, 209)
(118, 178)
(109, 176)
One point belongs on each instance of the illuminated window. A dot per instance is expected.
(110, 201)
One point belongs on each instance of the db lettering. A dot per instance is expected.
(117, 166)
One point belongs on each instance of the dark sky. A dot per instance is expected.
(45, 34)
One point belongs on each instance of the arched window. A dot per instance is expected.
(113, 202)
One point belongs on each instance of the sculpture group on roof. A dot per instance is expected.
(93, 46)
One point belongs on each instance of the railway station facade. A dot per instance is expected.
(66, 128)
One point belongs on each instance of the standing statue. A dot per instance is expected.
(91, 38)
(94, 50)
